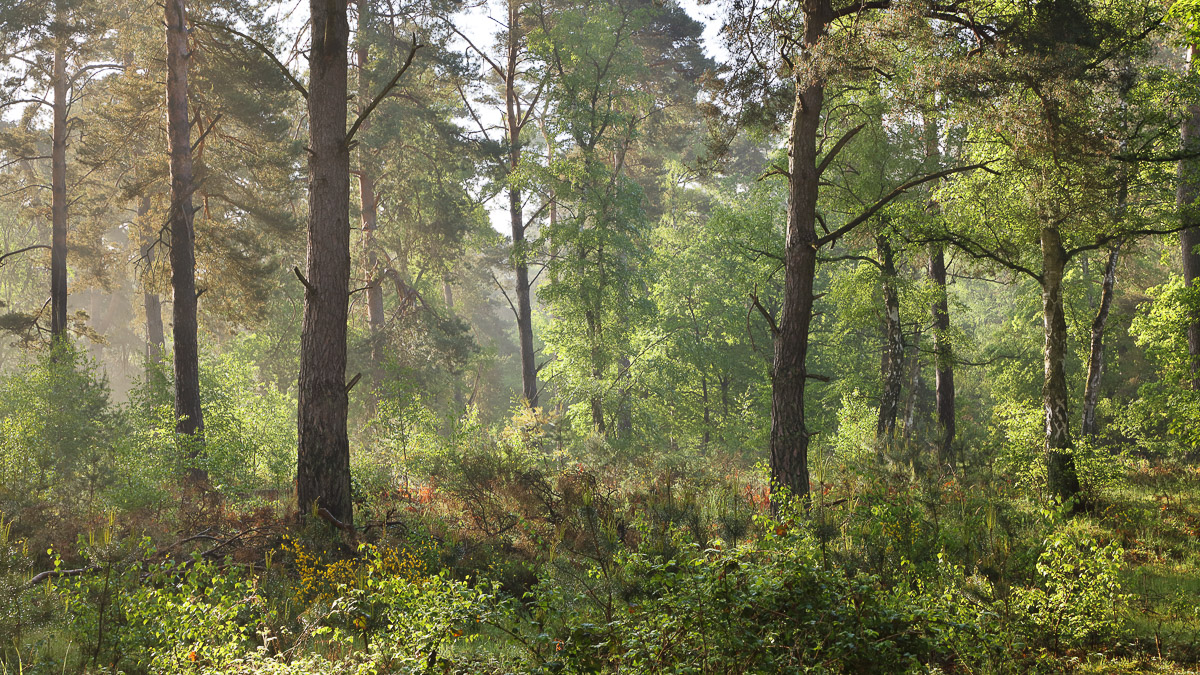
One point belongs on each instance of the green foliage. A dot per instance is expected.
(60, 438)
(1163, 416)
(249, 431)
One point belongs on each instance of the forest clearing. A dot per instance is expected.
(599, 336)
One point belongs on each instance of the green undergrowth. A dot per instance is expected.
(883, 573)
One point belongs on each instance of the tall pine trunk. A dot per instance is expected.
(58, 192)
(1187, 192)
(944, 364)
(892, 362)
(1095, 368)
(789, 435)
(188, 417)
(1060, 463)
(323, 455)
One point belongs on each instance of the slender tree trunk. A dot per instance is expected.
(625, 410)
(188, 416)
(893, 349)
(593, 325)
(58, 195)
(369, 212)
(914, 386)
(944, 372)
(374, 279)
(513, 123)
(156, 343)
(1091, 392)
(1189, 239)
(1060, 463)
(789, 435)
(323, 455)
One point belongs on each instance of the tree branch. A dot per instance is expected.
(874, 208)
(384, 92)
(837, 147)
(269, 53)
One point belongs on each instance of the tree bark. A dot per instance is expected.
(1060, 463)
(892, 362)
(323, 455)
(944, 366)
(58, 192)
(1186, 193)
(188, 416)
(789, 435)
(1091, 392)
(513, 123)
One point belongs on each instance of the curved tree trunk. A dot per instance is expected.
(323, 455)
(892, 362)
(1060, 463)
(1091, 392)
(188, 416)
(789, 435)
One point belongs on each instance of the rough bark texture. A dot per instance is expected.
(1095, 369)
(892, 362)
(323, 459)
(789, 435)
(1187, 192)
(58, 196)
(188, 417)
(944, 373)
(1060, 463)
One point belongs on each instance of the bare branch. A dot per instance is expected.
(269, 53)
(385, 91)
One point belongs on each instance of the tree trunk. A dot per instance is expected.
(944, 373)
(789, 435)
(1060, 463)
(593, 326)
(892, 363)
(58, 194)
(512, 119)
(914, 386)
(1095, 370)
(189, 419)
(1189, 239)
(156, 343)
(625, 409)
(323, 455)
(369, 213)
